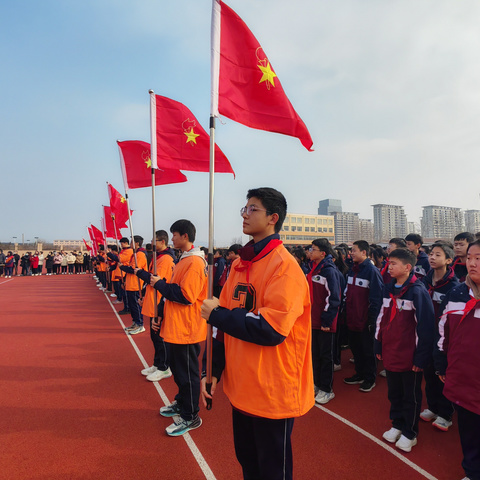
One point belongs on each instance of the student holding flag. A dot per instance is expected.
(263, 315)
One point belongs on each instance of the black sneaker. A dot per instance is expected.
(367, 386)
(354, 380)
(123, 312)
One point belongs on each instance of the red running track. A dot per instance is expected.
(73, 405)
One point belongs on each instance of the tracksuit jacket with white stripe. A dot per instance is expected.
(363, 296)
(405, 338)
(326, 294)
(440, 289)
(457, 352)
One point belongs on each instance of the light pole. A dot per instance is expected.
(36, 243)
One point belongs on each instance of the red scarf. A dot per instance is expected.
(394, 298)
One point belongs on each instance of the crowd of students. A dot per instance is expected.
(410, 306)
(36, 263)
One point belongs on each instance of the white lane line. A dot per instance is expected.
(379, 442)
(202, 463)
(6, 281)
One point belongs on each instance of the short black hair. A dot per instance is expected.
(405, 256)
(299, 252)
(476, 243)
(324, 246)
(273, 201)
(399, 242)
(234, 248)
(415, 238)
(183, 227)
(363, 246)
(101, 247)
(447, 249)
(469, 237)
(113, 247)
(138, 239)
(125, 240)
(161, 235)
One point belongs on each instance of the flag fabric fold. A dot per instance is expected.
(136, 166)
(87, 246)
(97, 235)
(245, 88)
(118, 206)
(110, 230)
(182, 142)
(92, 239)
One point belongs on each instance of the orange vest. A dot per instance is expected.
(165, 266)
(127, 258)
(183, 324)
(271, 382)
(102, 266)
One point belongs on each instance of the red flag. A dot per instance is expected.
(92, 239)
(98, 236)
(136, 166)
(118, 205)
(111, 231)
(88, 247)
(182, 142)
(245, 87)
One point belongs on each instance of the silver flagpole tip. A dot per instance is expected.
(151, 91)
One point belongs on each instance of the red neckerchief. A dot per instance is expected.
(469, 306)
(448, 277)
(458, 262)
(394, 298)
(246, 263)
(385, 268)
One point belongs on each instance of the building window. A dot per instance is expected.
(299, 219)
(330, 230)
(299, 229)
(307, 229)
(294, 229)
(319, 229)
(286, 228)
(294, 220)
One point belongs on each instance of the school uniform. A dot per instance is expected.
(457, 356)
(165, 264)
(133, 285)
(404, 337)
(264, 316)
(436, 401)
(460, 269)
(363, 300)
(325, 296)
(183, 327)
(422, 267)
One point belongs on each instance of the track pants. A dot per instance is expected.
(263, 446)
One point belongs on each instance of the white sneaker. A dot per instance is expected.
(392, 435)
(406, 444)
(149, 370)
(442, 424)
(139, 329)
(159, 375)
(427, 415)
(113, 295)
(336, 367)
(383, 373)
(324, 397)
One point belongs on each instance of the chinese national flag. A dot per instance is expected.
(245, 87)
(118, 205)
(92, 238)
(109, 225)
(182, 142)
(136, 166)
(88, 247)
(98, 236)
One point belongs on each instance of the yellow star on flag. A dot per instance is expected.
(268, 74)
(148, 162)
(122, 200)
(191, 136)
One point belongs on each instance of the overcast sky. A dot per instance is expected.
(388, 89)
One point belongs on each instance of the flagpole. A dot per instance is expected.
(153, 160)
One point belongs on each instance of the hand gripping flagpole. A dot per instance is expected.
(153, 160)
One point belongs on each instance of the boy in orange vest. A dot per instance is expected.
(263, 315)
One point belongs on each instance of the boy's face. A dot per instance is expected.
(179, 241)
(231, 255)
(391, 247)
(316, 255)
(460, 248)
(257, 222)
(413, 247)
(438, 259)
(473, 264)
(358, 256)
(398, 269)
